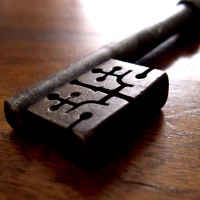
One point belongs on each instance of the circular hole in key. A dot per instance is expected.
(117, 68)
(100, 79)
(52, 96)
(96, 70)
(85, 115)
(53, 108)
(75, 94)
(140, 76)
(143, 74)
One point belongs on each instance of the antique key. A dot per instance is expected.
(100, 92)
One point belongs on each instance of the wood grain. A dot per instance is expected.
(161, 161)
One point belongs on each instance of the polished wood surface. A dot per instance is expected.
(161, 162)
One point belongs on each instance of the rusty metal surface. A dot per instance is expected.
(86, 103)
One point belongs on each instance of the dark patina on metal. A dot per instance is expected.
(101, 90)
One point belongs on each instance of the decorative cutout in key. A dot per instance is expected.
(110, 93)
(62, 101)
(102, 78)
(87, 100)
(55, 96)
(143, 74)
(85, 103)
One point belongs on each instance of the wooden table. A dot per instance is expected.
(162, 162)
